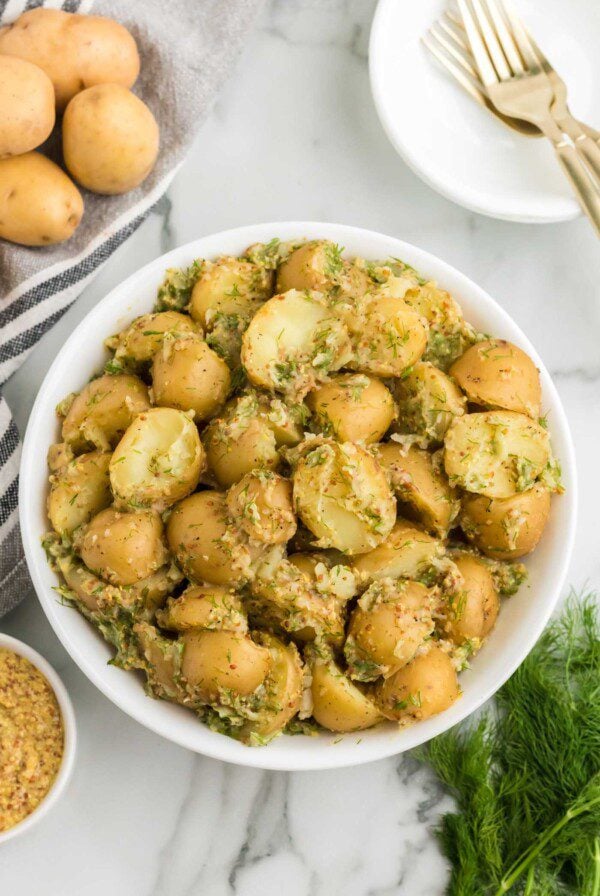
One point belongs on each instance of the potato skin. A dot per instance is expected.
(75, 51)
(123, 548)
(406, 553)
(212, 607)
(353, 408)
(497, 374)
(506, 528)
(387, 336)
(187, 374)
(318, 265)
(103, 410)
(262, 503)
(137, 344)
(26, 106)
(39, 204)
(110, 139)
(238, 442)
(219, 659)
(428, 402)
(472, 613)
(425, 687)
(229, 286)
(338, 704)
(79, 491)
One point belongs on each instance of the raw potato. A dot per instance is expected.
(338, 704)
(406, 553)
(79, 491)
(123, 547)
(342, 496)
(138, 343)
(26, 106)
(472, 611)
(284, 687)
(262, 503)
(425, 687)
(39, 204)
(421, 485)
(506, 528)
(221, 660)
(293, 342)
(239, 441)
(188, 375)
(103, 410)
(428, 402)
(110, 139)
(387, 336)
(390, 623)
(229, 286)
(158, 461)
(353, 408)
(319, 265)
(75, 51)
(497, 374)
(211, 607)
(495, 453)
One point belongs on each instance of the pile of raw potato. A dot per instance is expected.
(54, 62)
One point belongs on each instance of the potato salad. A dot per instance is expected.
(296, 493)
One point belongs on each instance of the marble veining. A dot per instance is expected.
(294, 135)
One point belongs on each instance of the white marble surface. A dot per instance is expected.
(294, 135)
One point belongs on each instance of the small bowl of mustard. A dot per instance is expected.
(38, 737)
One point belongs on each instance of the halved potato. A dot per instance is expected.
(449, 333)
(472, 610)
(407, 552)
(187, 374)
(428, 401)
(392, 620)
(137, 344)
(425, 687)
(204, 606)
(352, 407)
(339, 704)
(262, 503)
(284, 687)
(497, 374)
(421, 485)
(387, 336)
(79, 491)
(162, 663)
(341, 494)
(293, 342)
(217, 661)
(319, 265)
(495, 453)
(103, 410)
(122, 548)
(158, 461)
(506, 528)
(229, 286)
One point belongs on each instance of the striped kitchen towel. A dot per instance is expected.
(187, 48)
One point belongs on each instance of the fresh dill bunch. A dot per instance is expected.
(526, 779)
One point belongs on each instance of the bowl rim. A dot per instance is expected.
(225, 748)
(67, 763)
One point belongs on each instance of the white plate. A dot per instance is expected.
(459, 148)
(521, 620)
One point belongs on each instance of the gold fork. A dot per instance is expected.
(518, 87)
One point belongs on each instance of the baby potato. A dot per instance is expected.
(123, 548)
(342, 496)
(406, 553)
(319, 265)
(208, 547)
(506, 528)
(392, 620)
(387, 336)
(338, 704)
(449, 333)
(211, 607)
(39, 204)
(110, 139)
(497, 374)
(495, 453)
(421, 485)
(293, 342)
(187, 374)
(220, 660)
(103, 410)
(284, 689)
(352, 408)
(229, 286)
(26, 106)
(75, 51)
(158, 461)
(138, 343)
(163, 663)
(472, 612)
(59, 455)
(262, 502)
(239, 441)
(79, 491)
(428, 401)
(425, 687)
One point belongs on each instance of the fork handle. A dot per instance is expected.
(586, 190)
(584, 144)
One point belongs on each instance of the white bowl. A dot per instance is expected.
(521, 620)
(70, 733)
(459, 148)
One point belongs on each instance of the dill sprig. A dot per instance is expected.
(526, 779)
